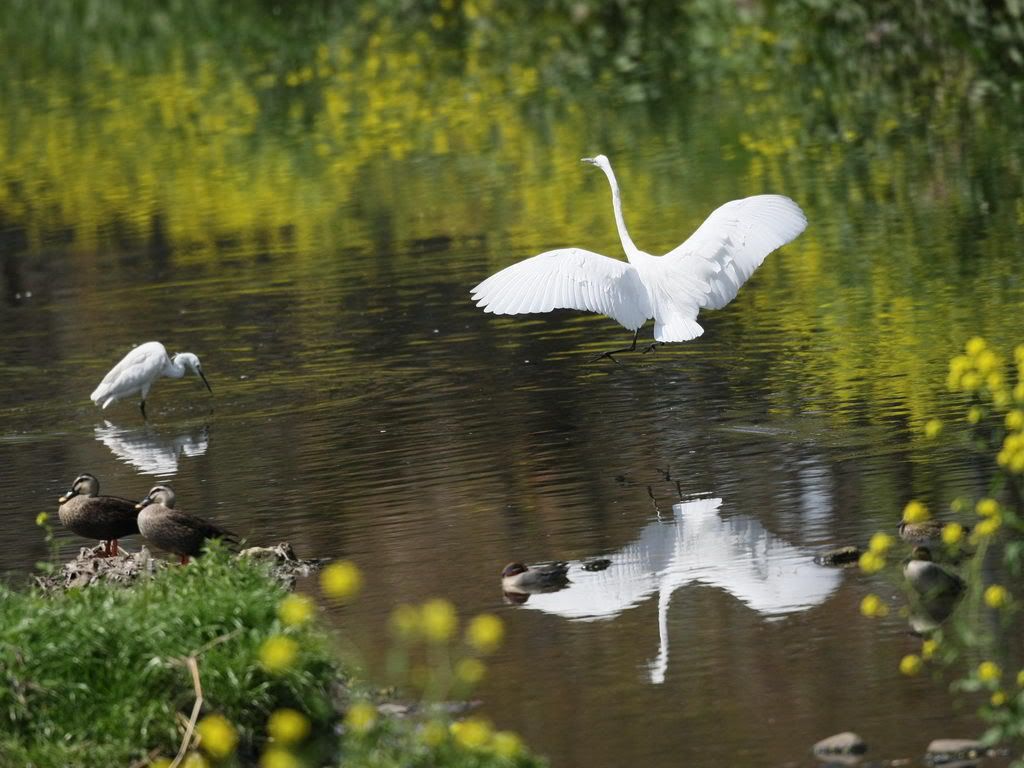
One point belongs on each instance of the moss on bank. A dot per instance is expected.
(96, 676)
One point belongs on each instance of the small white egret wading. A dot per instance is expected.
(139, 369)
(705, 272)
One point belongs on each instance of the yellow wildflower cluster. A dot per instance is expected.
(361, 717)
(217, 736)
(295, 609)
(915, 512)
(278, 653)
(929, 648)
(288, 726)
(872, 606)
(910, 665)
(997, 596)
(989, 672)
(341, 580)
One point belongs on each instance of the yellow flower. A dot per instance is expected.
(880, 543)
(42, 518)
(975, 346)
(932, 428)
(989, 672)
(433, 733)
(278, 757)
(507, 744)
(952, 533)
(1018, 392)
(361, 717)
(485, 632)
(288, 726)
(1018, 354)
(987, 507)
(974, 414)
(470, 671)
(985, 528)
(915, 512)
(405, 621)
(1015, 419)
(295, 609)
(195, 760)
(439, 620)
(1001, 398)
(278, 653)
(987, 362)
(161, 762)
(928, 648)
(996, 596)
(871, 562)
(1020, 679)
(341, 580)
(217, 736)
(472, 733)
(910, 665)
(998, 699)
(872, 605)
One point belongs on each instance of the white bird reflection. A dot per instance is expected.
(736, 555)
(149, 451)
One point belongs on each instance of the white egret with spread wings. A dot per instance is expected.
(705, 272)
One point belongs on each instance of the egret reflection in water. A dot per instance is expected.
(697, 546)
(151, 452)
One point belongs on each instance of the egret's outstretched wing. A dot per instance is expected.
(568, 278)
(135, 369)
(733, 241)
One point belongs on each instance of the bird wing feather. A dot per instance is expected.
(140, 364)
(567, 278)
(733, 241)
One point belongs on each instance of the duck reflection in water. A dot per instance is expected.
(150, 451)
(696, 546)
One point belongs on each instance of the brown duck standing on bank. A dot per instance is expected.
(107, 518)
(173, 530)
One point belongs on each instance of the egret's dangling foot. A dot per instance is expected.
(609, 355)
(142, 407)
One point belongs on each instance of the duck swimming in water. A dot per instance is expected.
(517, 578)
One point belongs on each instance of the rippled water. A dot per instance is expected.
(363, 407)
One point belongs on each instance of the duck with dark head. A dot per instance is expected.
(173, 530)
(107, 518)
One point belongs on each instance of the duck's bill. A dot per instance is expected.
(63, 499)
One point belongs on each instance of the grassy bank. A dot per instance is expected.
(100, 676)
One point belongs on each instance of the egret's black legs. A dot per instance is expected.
(651, 348)
(142, 407)
(609, 355)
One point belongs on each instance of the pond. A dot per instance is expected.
(313, 238)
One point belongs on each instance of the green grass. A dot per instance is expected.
(96, 677)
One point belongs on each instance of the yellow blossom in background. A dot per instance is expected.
(472, 733)
(952, 533)
(278, 653)
(910, 665)
(970, 382)
(288, 726)
(217, 736)
(932, 428)
(987, 507)
(928, 648)
(1018, 392)
(989, 671)
(42, 518)
(195, 760)
(434, 733)
(987, 362)
(341, 580)
(470, 671)
(405, 621)
(871, 562)
(485, 632)
(361, 717)
(974, 414)
(998, 699)
(880, 543)
(507, 744)
(996, 596)
(278, 757)
(438, 619)
(1020, 679)
(872, 605)
(295, 609)
(915, 512)
(985, 528)
(1015, 419)
(975, 346)
(161, 762)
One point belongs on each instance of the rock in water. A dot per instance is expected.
(955, 753)
(839, 556)
(842, 749)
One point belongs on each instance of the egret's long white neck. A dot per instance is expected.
(627, 242)
(174, 370)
